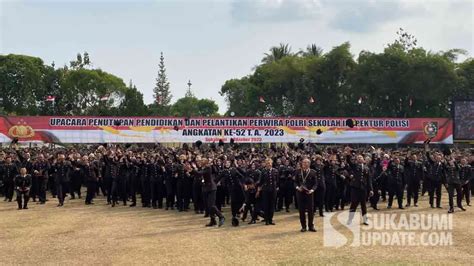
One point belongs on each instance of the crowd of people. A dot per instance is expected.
(254, 181)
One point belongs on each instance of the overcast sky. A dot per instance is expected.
(210, 42)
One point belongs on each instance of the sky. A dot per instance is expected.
(209, 42)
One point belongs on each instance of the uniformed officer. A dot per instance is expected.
(22, 188)
(453, 183)
(320, 193)
(62, 169)
(414, 174)
(360, 183)
(306, 183)
(395, 182)
(268, 186)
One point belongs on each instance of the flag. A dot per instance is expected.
(260, 99)
(50, 98)
(360, 100)
(104, 98)
(311, 99)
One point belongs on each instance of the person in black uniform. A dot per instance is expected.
(209, 189)
(396, 182)
(267, 187)
(331, 173)
(170, 184)
(144, 181)
(22, 188)
(250, 191)
(133, 180)
(320, 192)
(76, 177)
(306, 183)
(40, 171)
(414, 174)
(156, 182)
(198, 199)
(436, 172)
(453, 183)
(233, 179)
(62, 169)
(180, 175)
(360, 184)
(286, 185)
(465, 174)
(90, 173)
(9, 171)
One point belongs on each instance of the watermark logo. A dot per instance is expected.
(387, 229)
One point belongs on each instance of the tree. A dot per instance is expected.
(161, 91)
(132, 103)
(276, 53)
(312, 50)
(22, 84)
(81, 61)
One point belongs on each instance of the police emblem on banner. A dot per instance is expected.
(430, 129)
(21, 131)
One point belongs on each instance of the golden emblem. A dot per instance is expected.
(21, 131)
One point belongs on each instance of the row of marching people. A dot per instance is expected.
(254, 181)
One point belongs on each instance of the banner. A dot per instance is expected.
(81, 129)
(464, 120)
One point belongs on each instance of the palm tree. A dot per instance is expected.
(276, 53)
(313, 50)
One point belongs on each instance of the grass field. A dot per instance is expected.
(99, 234)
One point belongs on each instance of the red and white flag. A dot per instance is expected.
(260, 99)
(311, 99)
(50, 98)
(104, 98)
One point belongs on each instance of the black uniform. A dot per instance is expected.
(306, 181)
(42, 176)
(209, 189)
(62, 170)
(268, 185)
(414, 174)
(331, 174)
(465, 175)
(22, 187)
(234, 182)
(287, 187)
(360, 184)
(9, 172)
(453, 183)
(156, 182)
(395, 183)
(436, 173)
(320, 193)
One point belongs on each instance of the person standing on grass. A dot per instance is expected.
(22, 188)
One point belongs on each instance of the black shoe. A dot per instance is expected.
(439, 207)
(389, 207)
(432, 206)
(25, 208)
(206, 215)
(462, 208)
(133, 205)
(113, 204)
(287, 209)
(303, 230)
(416, 205)
(312, 229)
(401, 208)
(166, 208)
(408, 205)
(252, 222)
(451, 210)
(321, 215)
(271, 223)
(155, 207)
(375, 208)
(211, 223)
(221, 221)
(19, 208)
(60, 205)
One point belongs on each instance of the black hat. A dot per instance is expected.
(319, 131)
(198, 143)
(350, 122)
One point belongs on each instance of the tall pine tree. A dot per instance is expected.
(162, 89)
